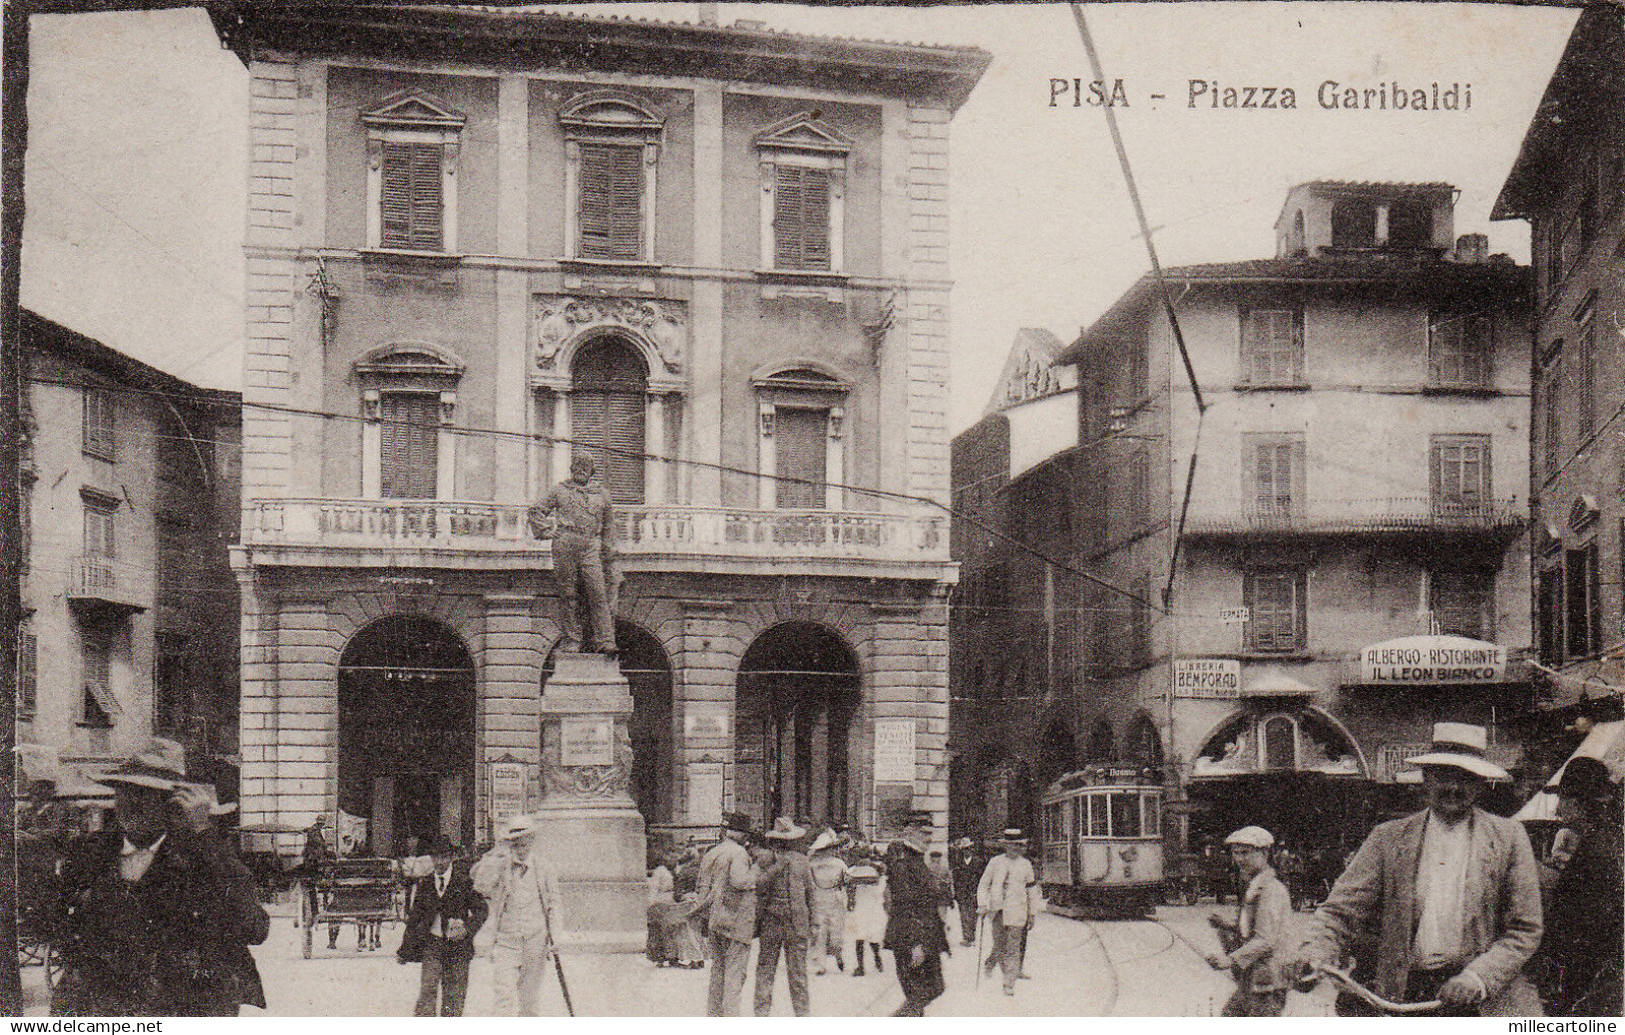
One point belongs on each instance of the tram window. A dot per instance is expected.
(1125, 815)
(1097, 816)
(1153, 815)
(1080, 816)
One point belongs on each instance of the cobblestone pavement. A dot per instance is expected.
(1077, 968)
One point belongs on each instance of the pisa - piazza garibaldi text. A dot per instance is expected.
(1330, 95)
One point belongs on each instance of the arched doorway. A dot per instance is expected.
(1292, 770)
(1102, 744)
(406, 733)
(796, 695)
(647, 670)
(1057, 753)
(1144, 744)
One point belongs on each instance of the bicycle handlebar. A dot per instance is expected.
(1344, 980)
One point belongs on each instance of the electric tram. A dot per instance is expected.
(1102, 848)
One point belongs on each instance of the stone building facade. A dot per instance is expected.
(1569, 183)
(713, 257)
(129, 502)
(1352, 565)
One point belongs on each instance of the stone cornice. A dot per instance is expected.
(510, 40)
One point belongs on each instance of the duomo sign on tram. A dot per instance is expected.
(1433, 659)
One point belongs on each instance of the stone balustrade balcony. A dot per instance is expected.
(445, 533)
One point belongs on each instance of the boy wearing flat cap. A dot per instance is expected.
(1452, 891)
(1254, 942)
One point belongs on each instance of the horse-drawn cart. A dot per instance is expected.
(364, 892)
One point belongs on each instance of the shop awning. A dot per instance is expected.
(1606, 742)
(1276, 684)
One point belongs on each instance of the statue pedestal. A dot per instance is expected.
(591, 830)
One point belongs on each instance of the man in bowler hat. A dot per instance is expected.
(914, 931)
(446, 914)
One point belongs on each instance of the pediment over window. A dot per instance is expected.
(413, 108)
(610, 110)
(802, 132)
(1584, 511)
(410, 359)
(800, 378)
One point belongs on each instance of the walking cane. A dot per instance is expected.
(981, 919)
(558, 961)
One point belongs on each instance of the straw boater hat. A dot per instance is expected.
(785, 830)
(964, 842)
(161, 766)
(1252, 837)
(1012, 836)
(516, 828)
(1461, 745)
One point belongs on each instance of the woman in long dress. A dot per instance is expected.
(829, 903)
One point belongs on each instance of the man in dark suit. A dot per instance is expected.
(914, 931)
(153, 917)
(446, 914)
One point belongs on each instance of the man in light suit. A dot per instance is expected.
(1009, 895)
(523, 893)
(728, 879)
(1452, 891)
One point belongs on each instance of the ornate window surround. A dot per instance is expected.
(609, 117)
(412, 117)
(408, 367)
(809, 385)
(804, 140)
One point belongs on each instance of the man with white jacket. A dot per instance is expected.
(523, 893)
(1009, 895)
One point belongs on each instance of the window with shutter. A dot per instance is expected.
(1460, 346)
(409, 444)
(1585, 377)
(411, 202)
(801, 218)
(1277, 610)
(99, 538)
(27, 673)
(1460, 475)
(1583, 617)
(98, 425)
(1463, 603)
(801, 436)
(607, 410)
(1354, 224)
(1272, 347)
(95, 666)
(610, 202)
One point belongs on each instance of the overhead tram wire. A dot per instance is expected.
(1162, 293)
(705, 465)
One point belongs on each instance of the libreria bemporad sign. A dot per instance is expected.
(1433, 659)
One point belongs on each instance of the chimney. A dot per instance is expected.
(708, 13)
(1472, 248)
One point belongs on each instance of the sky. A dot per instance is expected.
(137, 153)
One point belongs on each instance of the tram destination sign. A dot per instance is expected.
(1207, 677)
(1433, 659)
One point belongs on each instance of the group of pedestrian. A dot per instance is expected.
(799, 898)
(1445, 906)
